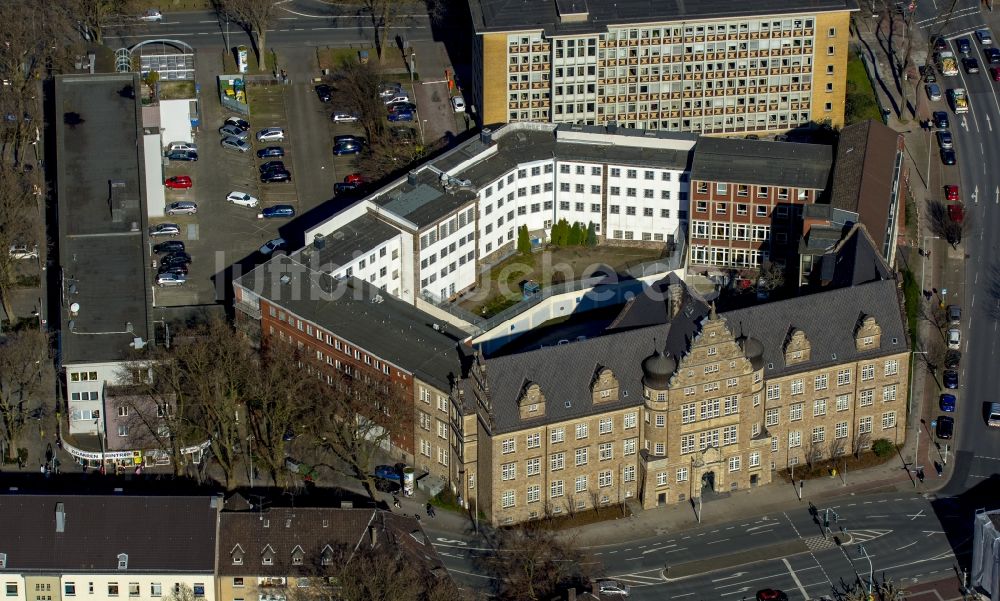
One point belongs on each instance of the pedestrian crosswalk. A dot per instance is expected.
(863, 536)
(818, 543)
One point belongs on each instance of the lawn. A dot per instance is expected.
(333, 58)
(142, 6)
(267, 103)
(171, 90)
(500, 286)
(861, 104)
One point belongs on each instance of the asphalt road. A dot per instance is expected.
(904, 535)
(297, 22)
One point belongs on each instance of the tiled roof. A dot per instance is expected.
(158, 534)
(762, 162)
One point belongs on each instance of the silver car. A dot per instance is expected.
(234, 143)
(170, 279)
(182, 207)
(271, 134)
(165, 229)
(231, 130)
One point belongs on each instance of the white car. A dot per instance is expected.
(397, 98)
(242, 198)
(458, 103)
(343, 117)
(954, 339)
(182, 207)
(612, 588)
(151, 16)
(165, 229)
(23, 251)
(272, 245)
(170, 279)
(271, 134)
(182, 146)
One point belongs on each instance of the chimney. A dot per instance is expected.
(676, 298)
(60, 517)
(486, 136)
(411, 178)
(319, 241)
(373, 534)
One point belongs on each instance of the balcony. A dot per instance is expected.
(251, 309)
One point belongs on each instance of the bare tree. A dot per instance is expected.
(837, 447)
(275, 408)
(23, 362)
(529, 562)
(94, 15)
(355, 416)
(814, 452)
(388, 14)
(180, 592)
(948, 221)
(20, 223)
(255, 16)
(771, 276)
(357, 87)
(862, 440)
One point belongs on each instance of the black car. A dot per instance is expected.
(171, 260)
(928, 74)
(272, 177)
(179, 269)
(180, 255)
(970, 64)
(272, 165)
(952, 359)
(349, 138)
(945, 426)
(243, 124)
(170, 246)
(398, 107)
(947, 156)
(344, 188)
(182, 155)
(324, 92)
(950, 379)
(940, 44)
(403, 135)
(270, 151)
(940, 119)
(992, 55)
(964, 46)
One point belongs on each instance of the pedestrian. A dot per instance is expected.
(395, 501)
(927, 254)
(920, 251)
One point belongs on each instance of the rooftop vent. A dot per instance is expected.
(486, 136)
(74, 309)
(411, 178)
(377, 299)
(138, 343)
(319, 241)
(569, 404)
(285, 279)
(60, 517)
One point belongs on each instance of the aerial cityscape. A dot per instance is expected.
(530, 300)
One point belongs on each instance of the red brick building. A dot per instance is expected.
(746, 197)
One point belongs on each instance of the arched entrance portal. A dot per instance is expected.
(708, 482)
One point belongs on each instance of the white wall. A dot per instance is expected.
(653, 195)
(446, 266)
(368, 264)
(153, 164)
(90, 393)
(100, 582)
(175, 121)
(7, 579)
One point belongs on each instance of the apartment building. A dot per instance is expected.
(74, 546)
(747, 198)
(704, 67)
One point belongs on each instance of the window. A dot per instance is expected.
(581, 483)
(133, 589)
(507, 499)
(155, 589)
(557, 435)
(630, 420)
(660, 449)
(534, 440)
(729, 435)
(865, 425)
(557, 461)
(843, 377)
(774, 443)
(682, 474)
(888, 420)
(688, 413)
(843, 402)
(556, 489)
(112, 589)
(581, 431)
(710, 409)
(629, 473)
(819, 434)
(866, 398)
(794, 439)
(238, 582)
(69, 590)
(795, 412)
(773, 392)
(509, 446)
(891, 367)
(771, 416)
(605, 425)
(820, 382)
(581, 456)
(661, 420)
(830, 50)
(754, 459)
(819, 407)
(734, 464)
(604, 479)
(12, 589)
(533, 466)
(123, 430)
(629, 446)
(605, 451)
(122, 561)
(889, 393)
(708, 439)
(868, 372)
(841, 430)
(534, 493)
(508, 471)
(687, 443)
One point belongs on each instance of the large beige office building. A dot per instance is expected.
(707, 67)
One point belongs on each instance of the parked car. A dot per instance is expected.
(324, 92)
(403, 135)
(954, 338)
(272, 245)
(611, 588)
(963, 45)
(947, 402)
(151, 16)
(954, 314)
(951, 192)
(944, 139)
(169, 246)
(182, 146)
(232, 130)
(242, 198)
(397, 98)
(458, 103)
(355, 178)
(401, 116)
(343, 117)
(349, 138)
(401, 106)
(950, 379)
(933, 91)
(20, 251)
(240, 123)
(984, 37)
(770, 594)
(270, 151)
(945, 426)
(948, 156)
(234, 143)
(347, 147)
(271, 134)
(182, 155)
(344, 188)
(275, 177)
(995, 73)
(272, 165)
(174, 269)
(178, 182)
(970, 65)
(927, 72)
(176, 259)
(165, 229)
(952, 359)
(992, 55)
(940, 44)
(386, 90)
(182, 207)
(940, 119)
(956, 212)
(278, 211)
(170, 279)
(388, 472)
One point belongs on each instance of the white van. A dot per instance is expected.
(182, 146)
(994, 417)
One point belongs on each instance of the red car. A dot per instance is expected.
(951, 192)
(355, 178)
(956, 213)
(995, 73)
(178, 182)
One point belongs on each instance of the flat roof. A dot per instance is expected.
(762, 162)
(102, 254)
(354, 239)
(575, 17)
(363, 315)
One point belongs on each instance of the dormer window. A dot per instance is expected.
(297, 555)
(237, 555)
(122, 561)
(3, 560)
(326, 557)
(267, 556)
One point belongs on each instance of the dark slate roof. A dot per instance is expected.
(355, 238)
(762, 162)
(520, 15)
(159, 534)
(284, 529)
(854, 260)
(102, 258)
(863, 175)
(363, 315)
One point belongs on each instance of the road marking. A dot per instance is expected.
(916, 515)
(736, 575)
(906, 546)
(989, 123)
(718, 541)
(795, 578)
(876, 516)
(683, 595)
(768, 525)
(975, 194)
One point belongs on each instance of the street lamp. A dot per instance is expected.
(871, 570)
